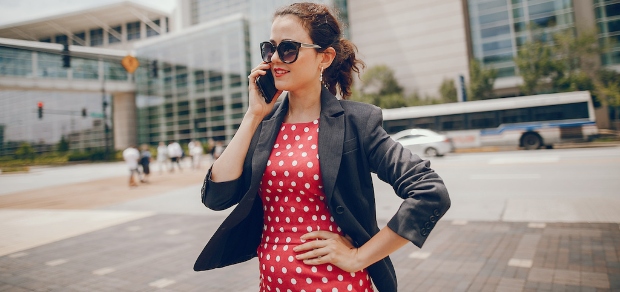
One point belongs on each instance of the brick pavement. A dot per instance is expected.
(157, 254)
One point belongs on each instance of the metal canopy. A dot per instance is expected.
(83, 20)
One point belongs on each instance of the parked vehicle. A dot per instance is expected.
(424, 142)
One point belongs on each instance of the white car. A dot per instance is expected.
(424, 142)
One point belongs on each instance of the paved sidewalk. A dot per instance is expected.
(157, 254)
(101, 235)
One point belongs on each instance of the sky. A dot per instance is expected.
(12, 11)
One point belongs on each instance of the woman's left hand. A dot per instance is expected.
(323, 247)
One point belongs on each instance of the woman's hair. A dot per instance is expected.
(325, 30)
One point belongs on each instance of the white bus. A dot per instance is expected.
(530, 122)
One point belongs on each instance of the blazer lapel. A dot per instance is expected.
(331, 139)
(268, 132)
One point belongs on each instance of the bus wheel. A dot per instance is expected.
(531, 141)
(430, 152)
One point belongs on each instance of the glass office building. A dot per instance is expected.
(195, 86)
(499, 27)
(72, 98)
(607, 13)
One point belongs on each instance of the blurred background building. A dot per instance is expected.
(191, 80)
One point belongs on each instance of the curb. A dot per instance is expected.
(555, 146)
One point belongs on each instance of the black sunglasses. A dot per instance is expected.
(288, 50)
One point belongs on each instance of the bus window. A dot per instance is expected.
(395, 126)
(425, 123)
(547, 113)
(520, 115)
(482, 120)
(452, 123)
(576, 110)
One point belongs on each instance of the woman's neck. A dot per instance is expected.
(304, 105)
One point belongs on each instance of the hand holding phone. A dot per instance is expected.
(267, 86)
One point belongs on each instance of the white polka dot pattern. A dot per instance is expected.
(294, 204)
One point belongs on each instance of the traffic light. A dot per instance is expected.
(40, 107)
(66, 57)
(84, 112)
(154, 69)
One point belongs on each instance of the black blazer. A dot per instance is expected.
(352, 144)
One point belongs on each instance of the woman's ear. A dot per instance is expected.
(328, 57)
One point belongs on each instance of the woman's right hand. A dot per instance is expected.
(257, 105)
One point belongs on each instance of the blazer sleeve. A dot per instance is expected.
(219, 196)
(423, 191)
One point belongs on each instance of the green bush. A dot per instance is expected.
(25, 151)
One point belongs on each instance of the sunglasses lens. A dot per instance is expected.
(266, 51)
(288, 52)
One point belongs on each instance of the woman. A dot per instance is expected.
(300, 172)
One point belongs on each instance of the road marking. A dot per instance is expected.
(459, 222)
(173, 232)
(56, 262)
(520, 263)
(524, 160)
(161, 283)
(506, 176)
(419, 255)
(103, 271)
(18, 255)
(537, 225)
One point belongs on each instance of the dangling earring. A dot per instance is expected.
(321, 77)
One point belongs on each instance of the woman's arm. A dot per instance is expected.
(229, 165)
(327, 247)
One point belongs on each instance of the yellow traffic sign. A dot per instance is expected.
(130, 63)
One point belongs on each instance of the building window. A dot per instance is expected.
(133, 31)
(500, 27)
(61, 39)
(96, 37)
(608, 22)
(150, 31)
(79, 39)
(113, 39)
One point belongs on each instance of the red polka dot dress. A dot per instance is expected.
(294, 204)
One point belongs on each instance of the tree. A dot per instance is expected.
(576, 61)
(63, 145)
(447, 89)
(564, 62)
(380, 87)
(610, 89)
(380, 80)
(25, 151)
(535, 62)
(481, 81)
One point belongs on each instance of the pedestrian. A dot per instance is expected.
(299, 171)
(175, 152)
(196, 153)
(145, 161)
(217, 150)
(162, 156)
(131, 155)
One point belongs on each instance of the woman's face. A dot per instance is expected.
(305, 71)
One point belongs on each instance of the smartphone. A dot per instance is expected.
(267, 86)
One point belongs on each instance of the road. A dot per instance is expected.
(558, 185)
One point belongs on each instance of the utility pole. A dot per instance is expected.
(106, 128)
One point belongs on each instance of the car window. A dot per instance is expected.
(408, 137)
